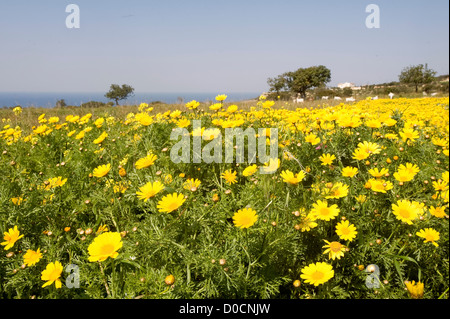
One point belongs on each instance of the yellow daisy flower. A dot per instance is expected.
(334, 249)
(31, 257)
(102, 170)
(170, 203)
(317, 274)
(51, 274)
(11, 237)
(104, 246)
(245, 218)
(149, 190)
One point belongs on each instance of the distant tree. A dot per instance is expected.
(347, 92)
(277, 84)
(61, 103)
(306, 78)
(117, 92)
(417, 75)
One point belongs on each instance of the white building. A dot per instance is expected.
(346, 85)
(349, 85)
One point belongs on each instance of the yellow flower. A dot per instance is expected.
(122, 172)
(409, 133)
(369, 147)
(40, 129)
(250, 170)
(245, 218)
(229, 176)
(346, 231)
(415, 290)
(54, 182)
(11, 237)
(192, 105)
(322, 211)
(99, 122)
(437, 211)
(389, 122)
(445, 176)
(144, 119)
(191, 184)
(221, 97)
(147, 161)
(349, 171)
(327, 159)
(440, 185)
(215, 106)
(17, 110)
(53, 119)
(102, 170)
(272, 166)
(51, 274)
(170, 203)
(101, 138)
(373, 123)
(210, 134)
(149, 190)
(104, 246)
(430, 235)
(361, 198)
(268, 104)
(288, 177)
(334, 249)
(183, 123)
(406, 172)
(360, 154)
(313, 139)
(439, 141)
(17, 200)
(232, 108)
(337, 191)
(80, 135)
(375, 172)
(379, 185)
(142, 106)
(101, 228)
(317, 274)
(31, 257)
(405, 211)
(307, 221)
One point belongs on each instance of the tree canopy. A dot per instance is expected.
(301, 80)
(417, 75)
(117, 92)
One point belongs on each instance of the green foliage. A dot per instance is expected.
(199, 244)
(301, 80)
(417, 75)
(118, 93)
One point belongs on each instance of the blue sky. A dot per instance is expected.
(213, 46)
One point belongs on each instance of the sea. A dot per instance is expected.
(48, 100)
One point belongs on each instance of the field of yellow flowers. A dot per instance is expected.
(93, 206)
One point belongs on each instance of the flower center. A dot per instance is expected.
(324, 211)
(335, 247)
(107, 249)
(404, 213)
(173, 206)
(317, 275)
